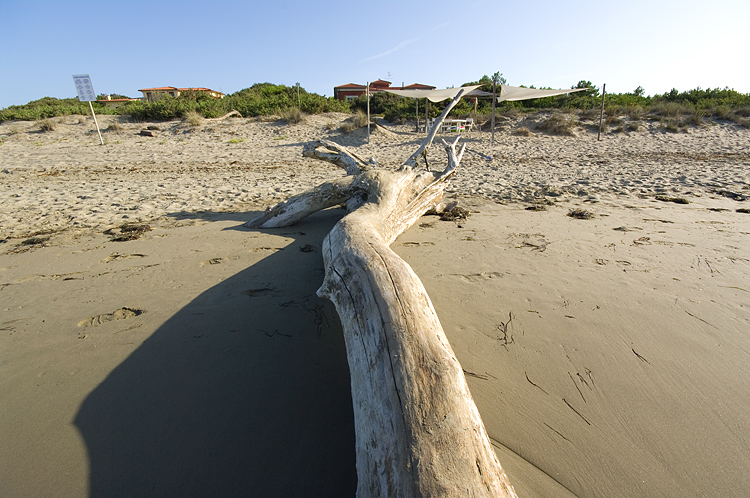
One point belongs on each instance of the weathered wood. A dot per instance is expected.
(338, 155)
(225, 116)
(295, 208)
(418, 431)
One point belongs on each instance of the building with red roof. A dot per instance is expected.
(151, 94)
(354, 90)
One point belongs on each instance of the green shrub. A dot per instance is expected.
(612, 111)
(258, 100)
(671, 125)
(613, 121)
(669, 109)
(591, 114)
(722, 112)
(635, 112)
(49, 107)
(633, 126)
(263, 99)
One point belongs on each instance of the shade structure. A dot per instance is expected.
(506, 92)
(511, 93)
(433, 95)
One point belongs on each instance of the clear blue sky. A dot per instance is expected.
(229, 45)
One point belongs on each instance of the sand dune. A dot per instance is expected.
(608, 356)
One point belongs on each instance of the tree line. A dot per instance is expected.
(271, 99)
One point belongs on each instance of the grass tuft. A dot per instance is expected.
(669, 110)
(193, 118)
(46, 125)
(522, 132)
(633, 126)
(115, 126)
(292, 115)
(635, 112)
(355, 121)
(559, 124)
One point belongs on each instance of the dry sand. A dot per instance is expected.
(608, 356)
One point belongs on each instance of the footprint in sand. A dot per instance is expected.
(115, 256)
(120, 314)
(258, 292)
(270, 249)
(217, 261)
(417, 244)
(478, 277)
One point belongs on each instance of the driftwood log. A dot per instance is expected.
(417, 429)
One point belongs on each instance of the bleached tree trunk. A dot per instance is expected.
(418, 431)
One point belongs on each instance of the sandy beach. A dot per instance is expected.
(609, 355)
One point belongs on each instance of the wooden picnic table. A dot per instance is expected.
(452, 125)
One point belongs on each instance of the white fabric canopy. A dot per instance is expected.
(508, 92)
(433, 95)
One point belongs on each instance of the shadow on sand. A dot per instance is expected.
(243, 392)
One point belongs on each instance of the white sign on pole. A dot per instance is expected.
(85, 91)
(84, 88)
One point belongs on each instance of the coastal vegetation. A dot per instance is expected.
(674, 110)
(261, 99)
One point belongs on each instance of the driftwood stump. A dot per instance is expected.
(418, 432)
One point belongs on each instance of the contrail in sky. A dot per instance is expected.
(401, 45)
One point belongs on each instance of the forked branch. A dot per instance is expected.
(412, 161)
(340, 156)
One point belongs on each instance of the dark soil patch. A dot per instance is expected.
(676, 200)
(580, 214)
(454, 214)
(128, 231)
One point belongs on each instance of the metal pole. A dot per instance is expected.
(494, 101)
(97, 124)
(601, 115)
(426, 115)
(416, 101)
(368, 112)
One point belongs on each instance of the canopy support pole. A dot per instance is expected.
(494, 101)
(426, 115)
(601, 114)
(416, 103)
(368, 112)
